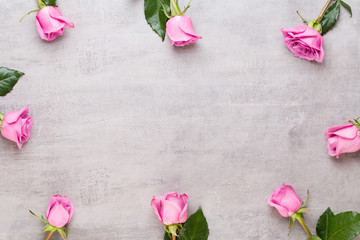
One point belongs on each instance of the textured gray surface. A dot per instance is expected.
(120, 116)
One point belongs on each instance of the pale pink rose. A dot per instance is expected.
(16, 126)
(181, 31)
(170, 208)
(50, 23)
(60, 211)
(304, 42)
(342, 139)
(285, 200)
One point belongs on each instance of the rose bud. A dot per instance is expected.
(170, 208)
(16, 126)
(304, 42)
(50, 23)
(288, 204)
(180, 31)
(60, 211)
(285, 200)
(342, 139)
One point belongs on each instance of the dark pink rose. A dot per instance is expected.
(170, 208)
(304, 42)
(285, 200)
(60, 211)
(342, 139)
(16, 126)
(181, 31)
(51, 23)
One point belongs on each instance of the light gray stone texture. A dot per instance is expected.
(120, 117)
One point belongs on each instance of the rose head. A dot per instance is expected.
(304, 42)
(60, 211)
(50, 23)
(170, 208)
(342, 139)
(181, 31)
(16, 126)
(285, 200)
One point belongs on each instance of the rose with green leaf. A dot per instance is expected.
(342, 226)
(58, 214)
(165, 16)
(306, 41)
(50, 22)
(288, 204)
(171, 210)
(15, 125)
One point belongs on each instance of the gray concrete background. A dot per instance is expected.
(120, 116)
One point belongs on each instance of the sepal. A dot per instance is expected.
(45, 3)
(1, 119)
(315, 25)
(355, 122)
(175, 9)
(174, 229)
(50, 228)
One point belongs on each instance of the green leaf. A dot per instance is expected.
(330, 17)
(62, 233)
(49, 2)
(166, 237)
(8, 79)
(347, 6)
(155, 16)
(48, 228)
(343, 226)
(195, 228)
(313, 237)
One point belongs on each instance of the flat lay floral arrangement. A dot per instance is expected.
(167, 18)
(341, 226)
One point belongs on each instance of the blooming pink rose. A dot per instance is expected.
(285, 200)
(342, 139)
(304, 42)
(16, 126)
(50, 23)
(60, 211)
(170, 208)
(181, 31)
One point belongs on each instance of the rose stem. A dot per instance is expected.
(323, 11)
(49, 235)
(301, 221)
(173, 237)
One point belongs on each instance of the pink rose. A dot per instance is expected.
(170, 208)
(285, 200)
(50, 23)
(181, 31)
(60, 211)
(16, 126)
(342, 139)
(304, 42)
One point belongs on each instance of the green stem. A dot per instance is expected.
(301, 221)
(1, 118)
(175, 10)
(49, 235)
(304, 20)
(318, 20)
(28, 14)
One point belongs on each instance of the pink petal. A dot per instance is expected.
(13, 116)
(350, 132)
(156, 205)
(58, 216)
(55, 13)
(170, 212)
